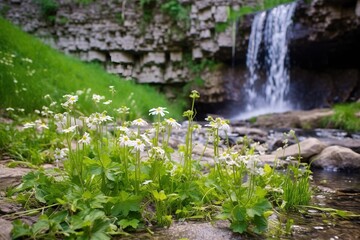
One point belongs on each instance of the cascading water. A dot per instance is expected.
(269, 30)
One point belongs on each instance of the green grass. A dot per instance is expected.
(345, 117)
(23, 84)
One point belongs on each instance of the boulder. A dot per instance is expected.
(10, 177)
(336, 157)
(6, 228)
(308, 148)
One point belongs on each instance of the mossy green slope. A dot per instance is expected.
(29, 70)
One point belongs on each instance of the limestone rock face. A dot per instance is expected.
(336, 157)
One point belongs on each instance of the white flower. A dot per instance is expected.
(70, 129)
(85, 138)
(125, 141)
(104, 117)
(112, 89)
(157, 152)
(123, 129)
(97, 98)
(224, 156)
(107, 102)
(139, 122)
(147, 182)
(29, 125)
(60, 154)
(10, 109)
(158, 111)
(123, 110)
(71, 99)
(42, 126)
(172, 122)
(138, 145)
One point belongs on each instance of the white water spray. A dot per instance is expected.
(270, 29)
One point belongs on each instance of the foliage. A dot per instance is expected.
(175, 10)
(234, 15)
(48, 8)
(29, 70)
(114, 176)
(345, 117)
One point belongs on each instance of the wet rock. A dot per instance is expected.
(353, 144)
(198, 231)
(294, 119)
(336, 157)
(11, 176)
(308, 148)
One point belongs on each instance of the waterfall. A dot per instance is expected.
(268, 31)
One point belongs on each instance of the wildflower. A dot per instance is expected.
(21, 110)
(123, 110)
(60, 154)
(70, 129)
(97, 98)
(42, 126)
(145, 138)
(85, 138)
(194, 94)
(125, 141)
(157, 152)
(197, 128)
(104, 117)
(47, 96)
(232, 163)
(79, 92)
(224, 156)
(138, 145)
(158, 111)
(139, 122)
(71, 99)
(112, 89)
(172, 122)
(29, 125)
(123, 129)
(10, 109)
(147, 182)
(107, 102)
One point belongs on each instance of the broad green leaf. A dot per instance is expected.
(125, 203)
(41, 226)
(20, 229)
(238, 227)
(159, 196)
(260, 223)
(252, 212)
(239, 213)
(124, 223)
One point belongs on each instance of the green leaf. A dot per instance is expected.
(252, 212)
(238, 226)
(239, 213)
(262, 206)
(41, 226)
(125, 203)
(20, 229)
(159, 196)
(260, 224)
(124, 223)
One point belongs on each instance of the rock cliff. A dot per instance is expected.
(170, 45)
